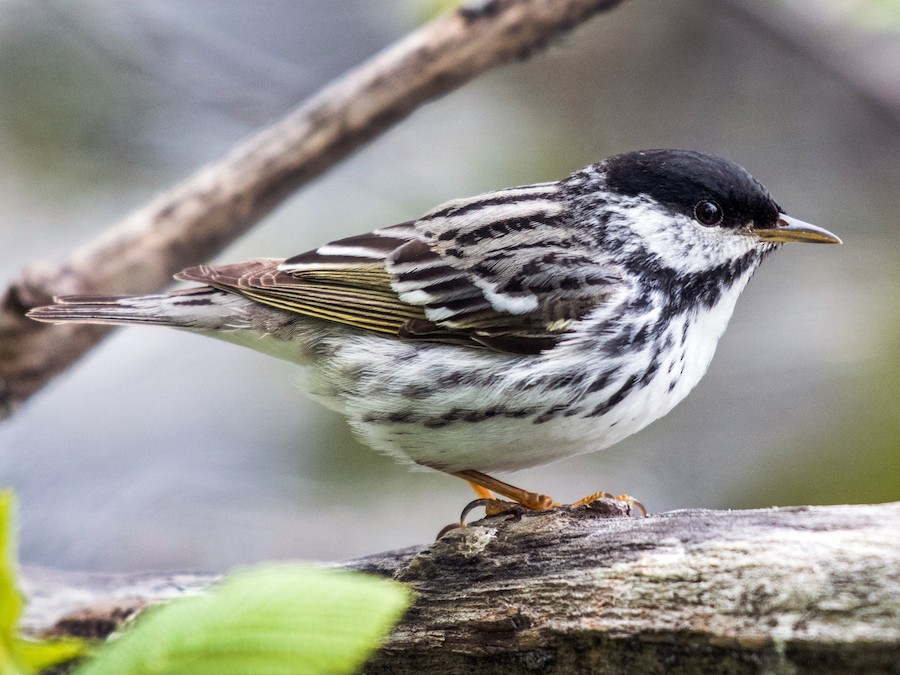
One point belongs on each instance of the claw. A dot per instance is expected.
(448, 528)
(628, 499)
(631, 501)
(584, 501)
(492, 507)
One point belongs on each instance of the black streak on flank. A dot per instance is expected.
(397, 417)
(472, 416)
(627, 340)
(649, 373)
(615, 399)
(416, 392)
(550, 413)
(563, 381)
(602, 380)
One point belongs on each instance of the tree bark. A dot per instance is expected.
(792, 590)
(208, 210)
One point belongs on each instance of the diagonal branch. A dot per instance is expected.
(205, 212)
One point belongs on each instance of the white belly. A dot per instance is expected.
(456, 408)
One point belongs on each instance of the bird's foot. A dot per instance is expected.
(498, 507)
(494, 507)
(628, 499)
(486, 487)
(520, 501)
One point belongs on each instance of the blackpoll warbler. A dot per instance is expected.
(506, 330)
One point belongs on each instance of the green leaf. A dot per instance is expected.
(39, 655)
(11, 602)
(282, 619)
(18, 655)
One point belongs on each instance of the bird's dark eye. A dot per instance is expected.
(708, 213)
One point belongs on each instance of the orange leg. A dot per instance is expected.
(487, 486)
(482, 492)
(530, 500)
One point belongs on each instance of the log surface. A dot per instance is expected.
(590, 590)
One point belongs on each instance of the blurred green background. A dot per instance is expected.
(165, 450)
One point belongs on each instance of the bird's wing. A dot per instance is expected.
(506, 270)
(349, 286)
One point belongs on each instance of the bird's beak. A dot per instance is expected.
(789, 229)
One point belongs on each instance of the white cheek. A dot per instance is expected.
(679, 241)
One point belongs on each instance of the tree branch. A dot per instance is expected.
(802, 590)
(198, 217)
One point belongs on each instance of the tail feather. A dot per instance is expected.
(195, 308)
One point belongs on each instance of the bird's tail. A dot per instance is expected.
(203, 308)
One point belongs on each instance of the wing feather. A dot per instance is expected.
(361, 298)
(508, 271)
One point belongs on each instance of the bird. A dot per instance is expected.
(506, 330)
